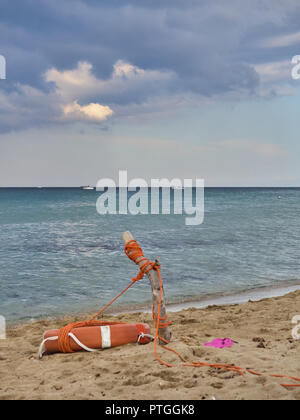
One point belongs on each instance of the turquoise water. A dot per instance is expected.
(57, 255)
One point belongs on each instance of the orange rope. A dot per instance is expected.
(135, 253)
(64, 343)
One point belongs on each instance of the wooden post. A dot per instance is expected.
(165, 333)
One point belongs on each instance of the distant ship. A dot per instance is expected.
(88, 188)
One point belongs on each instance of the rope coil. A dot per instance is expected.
(64, 335)
(135, 253)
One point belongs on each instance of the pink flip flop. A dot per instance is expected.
(220, 343)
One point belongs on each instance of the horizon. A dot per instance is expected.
(205, 187)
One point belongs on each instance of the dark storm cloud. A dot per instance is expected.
(210, 46)
(183, 36)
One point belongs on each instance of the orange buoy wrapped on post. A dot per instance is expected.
(94, 338)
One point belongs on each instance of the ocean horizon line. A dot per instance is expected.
(206, 187)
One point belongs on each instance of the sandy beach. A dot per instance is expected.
(262, 332)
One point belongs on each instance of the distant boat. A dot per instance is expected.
(88, 188)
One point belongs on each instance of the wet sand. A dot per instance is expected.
(262, 332)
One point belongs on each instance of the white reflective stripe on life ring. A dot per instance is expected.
(106, 337)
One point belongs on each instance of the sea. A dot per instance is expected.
(59, 256)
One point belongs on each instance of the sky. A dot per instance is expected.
(169, 88)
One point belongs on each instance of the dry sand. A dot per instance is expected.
(132, 372)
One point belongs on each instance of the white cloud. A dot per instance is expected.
(122, 68)
(72, 83)
(281, 41)
(275, 77)
(78, 95)
(80, 83)
(92, 112)
(274, 71)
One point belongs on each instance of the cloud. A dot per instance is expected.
(276, 79)
(92, 112)
(70, 83)
(274, 71)
(126, 84)
(134, 55)
(26, 106)
(78, 95)
(281, 40)
(191, 39)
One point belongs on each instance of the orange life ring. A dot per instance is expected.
(93, 338)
